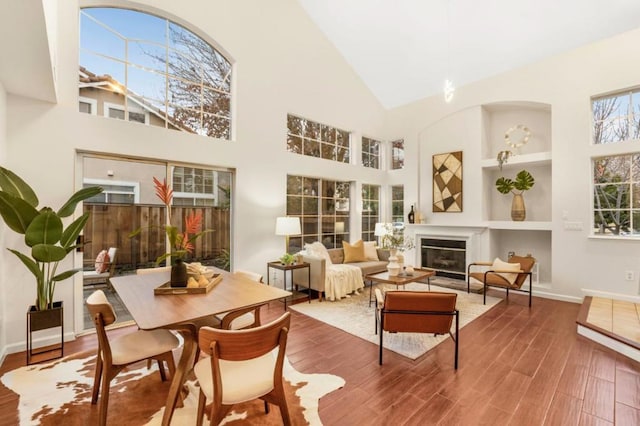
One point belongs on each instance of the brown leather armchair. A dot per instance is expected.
(417, 312)
(494, 277)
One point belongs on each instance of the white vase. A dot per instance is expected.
(393, 267)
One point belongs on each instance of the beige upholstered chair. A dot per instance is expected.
(116, 354)
(509, 279)
(417, 312)
(242, 318)
(93, 277)
(243, 365)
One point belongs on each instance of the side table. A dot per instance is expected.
(278, 265)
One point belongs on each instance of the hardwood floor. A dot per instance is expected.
(518, 366)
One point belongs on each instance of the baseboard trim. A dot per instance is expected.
(542, 294)
(42, 341)
(555, 296)
(611, 295)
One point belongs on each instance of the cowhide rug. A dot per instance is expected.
(59, 393)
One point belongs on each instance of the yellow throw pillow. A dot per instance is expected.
(353, 252)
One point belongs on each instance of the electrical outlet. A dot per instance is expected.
(628, 275)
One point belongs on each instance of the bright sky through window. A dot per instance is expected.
(142, 61)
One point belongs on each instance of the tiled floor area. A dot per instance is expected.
(121, 312)
(618, 317)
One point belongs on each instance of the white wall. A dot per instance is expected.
(565, 82)
(283, 65)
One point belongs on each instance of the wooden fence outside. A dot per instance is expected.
(110, 225)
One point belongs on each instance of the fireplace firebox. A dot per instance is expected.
(447, 257)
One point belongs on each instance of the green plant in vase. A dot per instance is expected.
(181, 243)
(44, 232)
(523, 182)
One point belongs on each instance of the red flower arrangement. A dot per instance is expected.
(181, 243)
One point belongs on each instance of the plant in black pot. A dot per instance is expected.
(523, 182)
(44, 232)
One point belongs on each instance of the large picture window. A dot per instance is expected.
(144, 68)
(129, 202)
(307, 137)
(616, 177)
(323, 207)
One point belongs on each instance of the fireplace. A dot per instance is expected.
(447, 257)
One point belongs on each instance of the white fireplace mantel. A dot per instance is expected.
(476, 238)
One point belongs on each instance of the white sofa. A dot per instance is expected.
(334, 279)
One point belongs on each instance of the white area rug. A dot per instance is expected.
(59, 393)
(353, 315)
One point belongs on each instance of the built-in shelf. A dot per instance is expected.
(537, 158)
(519, 226)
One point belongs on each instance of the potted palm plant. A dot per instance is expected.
(44, 232)
(49, 242)
(523, 182)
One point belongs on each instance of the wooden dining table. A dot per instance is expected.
(180, 311)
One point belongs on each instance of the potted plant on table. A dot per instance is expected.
(523, 182)
(395, 241)
(181, 243)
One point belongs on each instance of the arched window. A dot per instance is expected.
(140, 67)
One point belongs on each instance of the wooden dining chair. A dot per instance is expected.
(115, 354)
(243, 365)
(242, 318)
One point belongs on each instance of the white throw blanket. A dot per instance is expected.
(341, 280)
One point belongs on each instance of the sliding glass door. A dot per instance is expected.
(129, 202)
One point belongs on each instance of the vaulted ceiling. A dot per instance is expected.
(402, 49)
(405, 49)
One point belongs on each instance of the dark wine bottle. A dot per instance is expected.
(412, 215)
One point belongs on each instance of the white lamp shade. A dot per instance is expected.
(381, 229)
(288, 226)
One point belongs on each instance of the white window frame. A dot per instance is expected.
(381, 145)
(90, 101)
(107, 106)
(610, 149)
(391, 150)
(105, 182)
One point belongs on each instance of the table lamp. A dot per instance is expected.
(288, 226)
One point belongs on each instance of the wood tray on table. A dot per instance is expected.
(167, 289)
